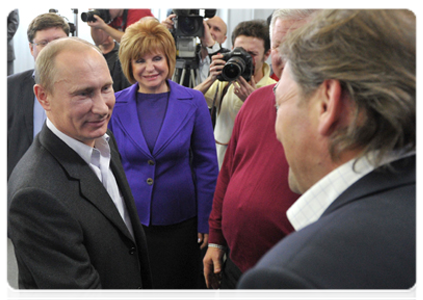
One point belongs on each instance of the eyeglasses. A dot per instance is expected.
(41, 44)
(44, 43)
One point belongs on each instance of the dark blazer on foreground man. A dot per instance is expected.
(367, 229)
(71, 214)
(52, 182)
(348, 129)
(20, 116)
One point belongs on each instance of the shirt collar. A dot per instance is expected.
(313, 203)
(83, 150)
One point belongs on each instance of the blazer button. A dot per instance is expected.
(150, 181)
(132, 251)
(151, 163)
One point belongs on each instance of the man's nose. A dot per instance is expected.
(100, 106)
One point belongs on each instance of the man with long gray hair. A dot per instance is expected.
(346, 117)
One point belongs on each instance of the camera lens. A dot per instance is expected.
(188, 25)
(233, 68)
(87, 16)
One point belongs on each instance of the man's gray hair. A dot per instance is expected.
(372, 53)
(290, 15)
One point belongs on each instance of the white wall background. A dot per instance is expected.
(25, 61)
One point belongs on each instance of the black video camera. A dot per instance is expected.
(238, 63)
(188, 22)
(104, 14)
(188, 26)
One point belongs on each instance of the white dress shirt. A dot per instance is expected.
(98, 158)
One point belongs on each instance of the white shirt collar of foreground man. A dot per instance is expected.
(313, 203)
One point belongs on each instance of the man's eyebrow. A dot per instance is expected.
(81, 89)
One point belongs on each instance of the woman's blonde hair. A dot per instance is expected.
(145, 37)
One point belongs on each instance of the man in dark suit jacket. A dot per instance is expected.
(72, 217)
(347, 121)
(20, 95)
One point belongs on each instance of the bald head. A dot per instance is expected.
(218, 29)
(45, 67)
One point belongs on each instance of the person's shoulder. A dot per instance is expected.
(19, 76)
(124, 95)
(265, 89)
(183, 92)
(261, 94)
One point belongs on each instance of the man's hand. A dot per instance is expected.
(98, 24)
(216, 66)
(213, 261)
(243, 89)
(207, 39)
(203, 239)
(168, 22)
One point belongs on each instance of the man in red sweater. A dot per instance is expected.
(252, 193)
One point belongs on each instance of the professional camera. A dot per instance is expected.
(188, 22)
(238, 63)
(102, 13)
(72, 26)
(188, 25)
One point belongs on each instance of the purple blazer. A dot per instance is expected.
(176, 181)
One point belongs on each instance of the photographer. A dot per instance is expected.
(119, 20)
(214, 36)
(228, 97)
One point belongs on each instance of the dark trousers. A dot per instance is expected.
(175, 255)
(230, 275)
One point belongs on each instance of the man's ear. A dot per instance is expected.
(332, 107)
(42, 96)
(31, 48)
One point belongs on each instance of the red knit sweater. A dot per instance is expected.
(252, 192)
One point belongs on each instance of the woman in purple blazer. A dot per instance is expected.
(165, 137)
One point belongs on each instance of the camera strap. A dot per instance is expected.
(124, 19)
(213, 111)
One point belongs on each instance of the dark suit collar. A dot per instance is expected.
(77, 169)
(177, 114)
(398, 173)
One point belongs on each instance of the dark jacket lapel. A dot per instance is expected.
(402, 172)
(90, 186)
